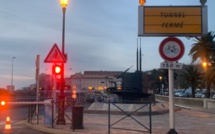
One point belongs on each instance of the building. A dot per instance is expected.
(10, 88)
(95, 80)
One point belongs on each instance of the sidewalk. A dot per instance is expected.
(186, 122)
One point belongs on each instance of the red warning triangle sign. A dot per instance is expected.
(55, 55)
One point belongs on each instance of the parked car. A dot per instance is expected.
(198, 95)
(213, 97)
(203, 95)
(185, 94)
(166, 93)
(177, 94)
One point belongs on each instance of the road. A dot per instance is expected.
(17, 118)
(186, 122)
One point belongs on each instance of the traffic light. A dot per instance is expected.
(3, 103)
(74, 92)
(57, 71)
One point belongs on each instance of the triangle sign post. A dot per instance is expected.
(55, 56)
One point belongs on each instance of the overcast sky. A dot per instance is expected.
(100, 35)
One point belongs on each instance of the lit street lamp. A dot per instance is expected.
(142, 2)
(11, 86)
(61, 119)
(160, 85)
(205, 66)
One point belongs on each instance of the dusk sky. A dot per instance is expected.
(99, 35)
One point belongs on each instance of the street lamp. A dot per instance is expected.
(142, 2)
(61, 119)
(64, 3)
(11, 86)
(205, 66)
(160, 86)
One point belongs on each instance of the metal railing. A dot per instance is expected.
(130, 114)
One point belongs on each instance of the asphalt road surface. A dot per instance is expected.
(17, 118)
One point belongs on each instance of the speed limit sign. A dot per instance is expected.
(171, 49)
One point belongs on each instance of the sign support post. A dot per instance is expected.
(171, 103)
(171, 50)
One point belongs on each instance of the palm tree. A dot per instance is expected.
(154, 78)
(192, 77)
(204, 49)
(211, 78)
(166, 74)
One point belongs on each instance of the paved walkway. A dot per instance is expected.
(186, 122)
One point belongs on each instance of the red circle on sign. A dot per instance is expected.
(178, 43)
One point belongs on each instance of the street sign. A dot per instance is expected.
(55, 55)
(172, 20)
(171, 65)
(171, 49)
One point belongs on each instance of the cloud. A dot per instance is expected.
(17, 77)
(100, 35)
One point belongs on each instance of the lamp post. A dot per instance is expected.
(11, 86)
(142, 2)
(205, 66)
(61, 119)
(64, 3)
(160, 86)
(203, 2)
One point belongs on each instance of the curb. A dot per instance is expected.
(122, 113)
(212, 111)
(46, 129)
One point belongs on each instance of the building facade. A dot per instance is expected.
(95, 80)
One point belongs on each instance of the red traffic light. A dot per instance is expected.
(3, 103)
(57, 69)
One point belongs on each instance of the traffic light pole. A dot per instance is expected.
(54, 93)
(61, 119)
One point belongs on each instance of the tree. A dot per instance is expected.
(165, 75)
(211, 78)
(192, 78)
(204, 49)
(156, 78)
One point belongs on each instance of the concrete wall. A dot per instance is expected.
(196, 103)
